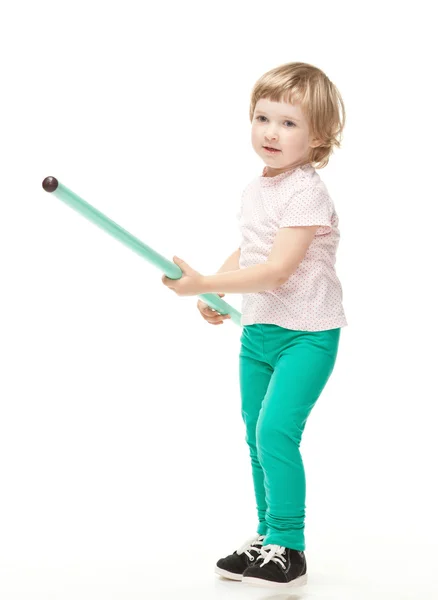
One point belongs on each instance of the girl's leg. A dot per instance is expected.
(255, 375)
(303, 363)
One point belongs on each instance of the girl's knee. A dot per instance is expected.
(272, 434)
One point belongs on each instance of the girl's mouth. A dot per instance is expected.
(270, 150)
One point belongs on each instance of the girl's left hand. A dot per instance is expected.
(189, 284)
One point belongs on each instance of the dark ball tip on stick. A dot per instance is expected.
(50, 184)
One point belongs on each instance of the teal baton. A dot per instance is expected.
(169, 268)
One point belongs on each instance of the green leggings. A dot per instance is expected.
(282, 374)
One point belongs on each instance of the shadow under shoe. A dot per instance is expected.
(233, 565)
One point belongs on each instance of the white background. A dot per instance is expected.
(123, 463)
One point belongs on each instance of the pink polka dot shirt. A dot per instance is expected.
(311, 299)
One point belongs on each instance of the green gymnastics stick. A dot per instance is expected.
(169, 268)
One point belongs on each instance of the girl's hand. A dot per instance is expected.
(211, 315)
(189, 284)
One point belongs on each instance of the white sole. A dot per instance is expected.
(299, 581)
(228, 575)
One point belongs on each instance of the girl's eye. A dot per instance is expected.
(263, 117)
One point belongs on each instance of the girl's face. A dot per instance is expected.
(283, 126)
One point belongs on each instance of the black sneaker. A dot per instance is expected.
(277, 566)
(233, 565)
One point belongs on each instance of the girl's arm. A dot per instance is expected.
(257, 278)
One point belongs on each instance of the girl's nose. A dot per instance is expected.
(271, 135)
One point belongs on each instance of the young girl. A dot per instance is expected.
(292, 310)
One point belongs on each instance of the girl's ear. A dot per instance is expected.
(315, 143)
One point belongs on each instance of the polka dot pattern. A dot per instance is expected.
(311, 299)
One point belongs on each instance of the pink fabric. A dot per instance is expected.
(311, 299)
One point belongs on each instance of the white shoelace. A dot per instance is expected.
(250, 545)
(274, 553)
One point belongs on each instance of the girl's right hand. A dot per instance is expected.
(211, 315)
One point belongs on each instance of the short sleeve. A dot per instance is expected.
(239, 212)
(309, 206)
(238, 227)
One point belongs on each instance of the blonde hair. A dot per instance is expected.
(320, 101)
